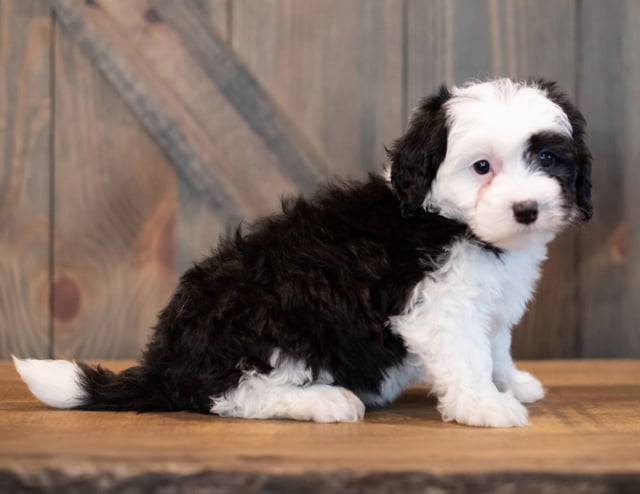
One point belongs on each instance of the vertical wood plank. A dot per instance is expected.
(198, 227)
(454, 41)
(334, 67)
(631, 150)
(609, 81)
(115, 201)
(25, 175)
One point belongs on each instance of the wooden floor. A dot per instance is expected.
(584, 437)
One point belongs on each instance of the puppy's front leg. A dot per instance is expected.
(457, 357)
(524, 386)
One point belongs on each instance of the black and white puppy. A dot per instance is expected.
(345, 299)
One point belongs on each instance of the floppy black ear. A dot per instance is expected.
(581, 151)
(583, 185)
(416, 156)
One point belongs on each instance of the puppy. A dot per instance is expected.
(346, 299)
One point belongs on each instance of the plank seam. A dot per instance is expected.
(578, 257)
(52, 178)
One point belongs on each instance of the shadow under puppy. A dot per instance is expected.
(347, 298)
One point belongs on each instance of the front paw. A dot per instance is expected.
(490, 409)
(525, 387)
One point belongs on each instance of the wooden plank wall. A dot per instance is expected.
(135, 133)
(114, 214)
(608, 274)
(26, 32)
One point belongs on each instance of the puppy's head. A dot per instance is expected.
(506, 158)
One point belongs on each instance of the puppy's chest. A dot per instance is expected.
(475, 281)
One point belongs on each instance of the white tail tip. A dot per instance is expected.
(54, 382)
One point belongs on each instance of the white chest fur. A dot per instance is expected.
(474, 287)
(457, 322)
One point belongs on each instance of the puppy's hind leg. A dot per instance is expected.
(315, 402)
(288, 392)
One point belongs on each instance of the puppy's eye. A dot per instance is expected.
(547, 158)
(482, 167)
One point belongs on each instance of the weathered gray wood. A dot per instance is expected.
(334, 67)
(115, 202)
(631, 152)
(341, 76)
(198, 227)
(25, 176)
(608, 91)
(156, 105)
(240, 89)
(454, 41)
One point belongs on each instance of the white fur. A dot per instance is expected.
(54, 382)
(289, 392)
(385, 174)
(458, 321)
(506, 377)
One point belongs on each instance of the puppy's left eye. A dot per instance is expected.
(547, 159)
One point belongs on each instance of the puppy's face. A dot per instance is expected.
(507, 159)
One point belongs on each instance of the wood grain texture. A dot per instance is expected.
(199, 227)
(334, 67)
(115, 203)
(608, 94)
(226, 138)
(584, 437)
(454, 41)
(226, 131)
(283, 151)
(155, 104)
(25, 175)
(631, 150)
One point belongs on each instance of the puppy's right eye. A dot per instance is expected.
(482, 167)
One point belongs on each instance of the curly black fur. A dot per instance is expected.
(319, 281)
(416, 156)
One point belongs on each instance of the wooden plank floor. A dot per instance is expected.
(584, 437)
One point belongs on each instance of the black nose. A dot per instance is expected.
(525, 212)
